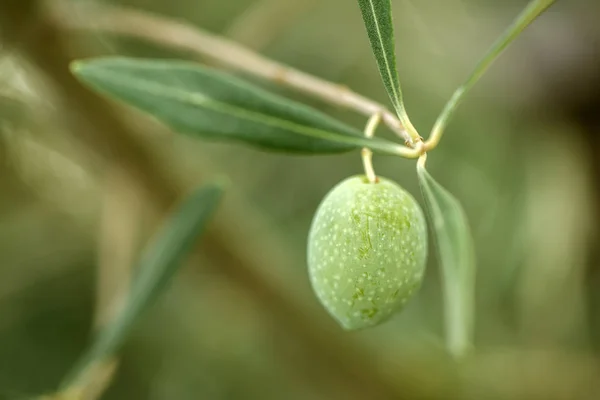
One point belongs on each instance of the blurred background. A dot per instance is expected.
(84, 183)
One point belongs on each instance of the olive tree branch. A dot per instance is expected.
(183, 36)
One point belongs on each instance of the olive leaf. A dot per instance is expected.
(377, 16)
(534, 9)
(160, 261)
(456, 254)
(197, 100)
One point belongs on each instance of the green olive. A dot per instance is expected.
(367, 250)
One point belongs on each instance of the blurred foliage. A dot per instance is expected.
(241, 321)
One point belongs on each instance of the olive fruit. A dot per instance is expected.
(367, 249)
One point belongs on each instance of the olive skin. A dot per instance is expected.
(367, 250)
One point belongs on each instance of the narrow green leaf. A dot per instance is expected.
(533, 10)
(377, 16)
(160, 261)
(457, 261)
(201, 101)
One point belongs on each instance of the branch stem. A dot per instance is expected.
(183, 36)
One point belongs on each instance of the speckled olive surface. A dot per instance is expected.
(367, 250)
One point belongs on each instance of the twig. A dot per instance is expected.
(180, 35)
(264, 20)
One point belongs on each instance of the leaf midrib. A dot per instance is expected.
(385, 59)
(200, 100)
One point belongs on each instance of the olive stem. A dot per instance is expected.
(366, 154)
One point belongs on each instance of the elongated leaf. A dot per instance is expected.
(161, 260)
(534, 9)
(201, 101)
(457, 261)
(377, 16)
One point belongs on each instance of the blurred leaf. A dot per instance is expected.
(533, 10)
(161, 260)
(196, 100)
(457, 261)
